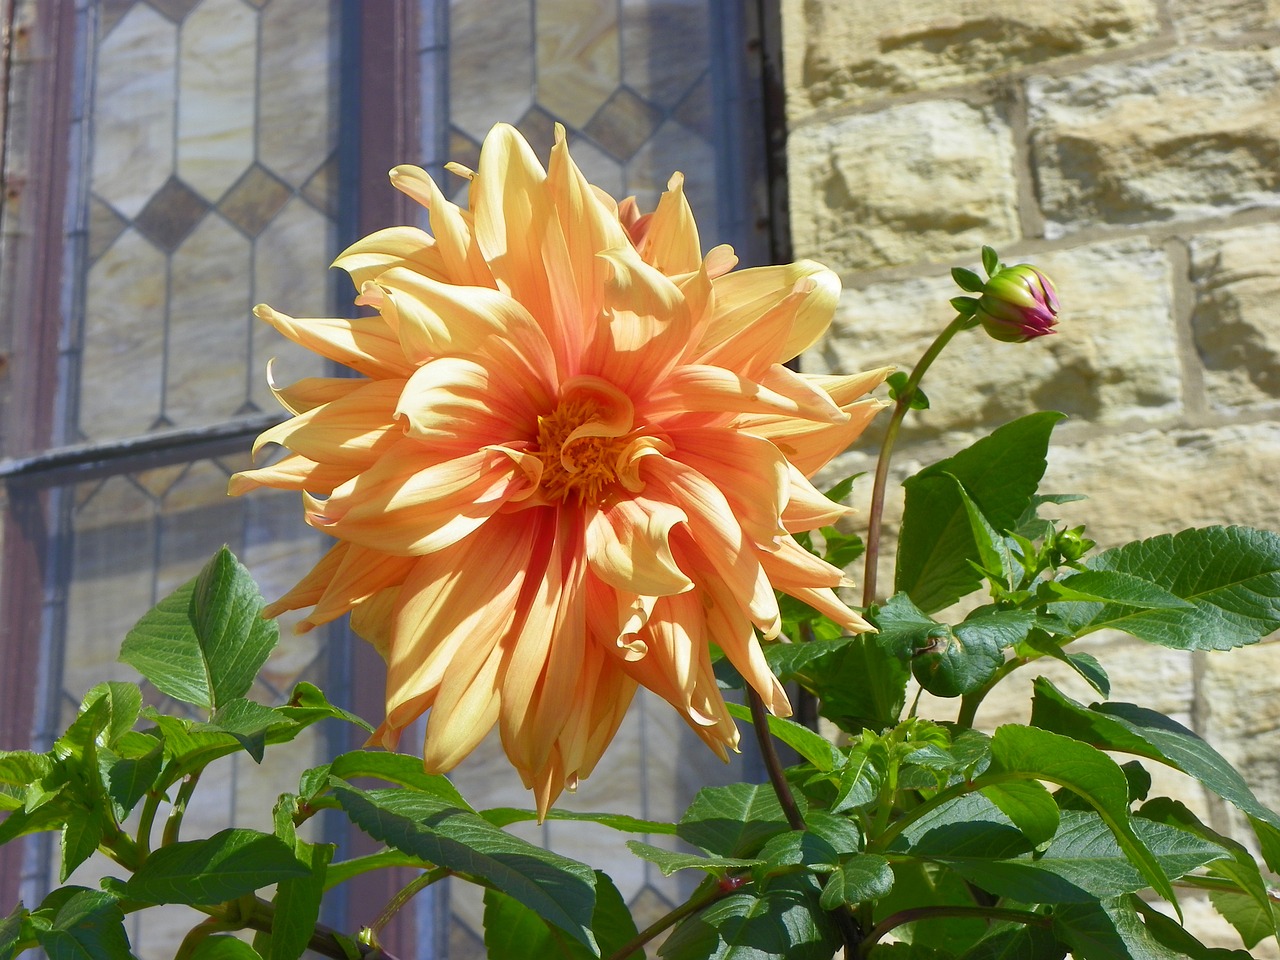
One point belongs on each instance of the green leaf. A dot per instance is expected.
(514, 932)
(815, 748)
(1113, 930)
(297, 902)
(1000, 474)
(223, 946)
(397, 768)
(1109, 586)
(966, 279)
(1085, 665)
(1088, 772)
(1229, 576)
(205, 642)
(1029, 805)
(918, 884)
(504, 816)
(799, 848)
(958, 662)
(897, 382)
(859, 879)
(80, 838)
(1083, 862)
(227, 865)
(1027, 942)
(129, 778)
(1252, 922)
(18, 770)
(994, 556)
(87, 925)
(841, 833)
(990, 260)
(123, 703)
(860, 680)
(247, 721)
(307, 704)
(1132, 729)
(560, 890)
(669, 861)
(861, 778)
(784, 922)
(11, 932)
(733, 820)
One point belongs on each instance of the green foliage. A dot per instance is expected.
(1031, 842)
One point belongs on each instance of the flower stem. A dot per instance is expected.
(173, 824)
(709, 894)
(934, 913)
(760, 720)
(405, 894)
(903, 404)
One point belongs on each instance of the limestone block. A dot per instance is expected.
(1240, 715)
(1237, 329)
(1193, 134)
(1160, 481)
(1112, 360)
(923, 181)
(840, 52)
(1205, 19)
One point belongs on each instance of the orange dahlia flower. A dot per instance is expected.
(572, 461)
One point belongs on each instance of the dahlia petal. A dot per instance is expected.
(453, 601)
(712, 544)
(366, 344)
(410, 504)
(614, 616)
(465, 709)
(311, 392)
(511, 206)
(807, 508)
(456, 406)
(743, 296)
(749, 471)
(671, 241)
(809, 445)
(362, 573)
(372, 619)
(698, 387)
(409, 247)
(678, 665)
(458, 251)
(294, 472)
(437, 319)
(730, 629)
(825, 601)
(752, 350)
(351, 431)
(629, 547)
(311, 587)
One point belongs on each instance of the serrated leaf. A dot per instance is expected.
(1085, 665)
(1085, 771)
(1252, 921)
(733, 820)
(785, 922)
(799, 848)
(812, 746)
(398, 768)
(559, 889)
(514, 932)
(504, 816)
(128, 778)
(1000, 473)
(1083, 862)
(123, 703)
(670, 861)
(1029, 805)
(20, 769)
(86, 925)
(1110, 586)
(227, 865)
(247, 721)
(297, 902)
(205, 642)
(860, 781)
(11, 932)
(1146, 733)
(80, 838)
(994, 556)
(1230, 577)
(1113, 930)
(859, 879)
(307, 704)
(958, 662)
(841, 833)
(860, 680)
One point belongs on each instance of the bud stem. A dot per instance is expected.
(900, 409)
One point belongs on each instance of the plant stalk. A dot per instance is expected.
(405, 894)
(173, 825)
(903, 404)
(760, 720)
(712, 892)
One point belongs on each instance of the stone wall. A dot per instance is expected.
(1132, 149)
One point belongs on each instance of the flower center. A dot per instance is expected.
(581, 466)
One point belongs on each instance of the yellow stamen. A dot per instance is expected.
(584, 467)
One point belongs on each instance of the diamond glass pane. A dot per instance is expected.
(211, 130)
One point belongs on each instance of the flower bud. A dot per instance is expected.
(1017, 304)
